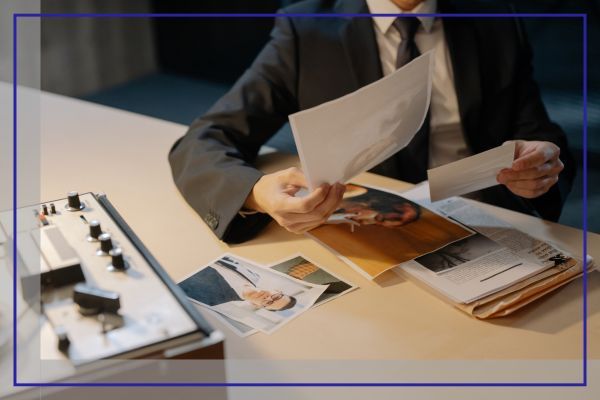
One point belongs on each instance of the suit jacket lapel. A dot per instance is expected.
(464, 54)
(358, 38)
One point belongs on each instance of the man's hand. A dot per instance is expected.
(274, 194)
(535, 169)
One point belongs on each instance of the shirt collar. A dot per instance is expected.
(387, 7)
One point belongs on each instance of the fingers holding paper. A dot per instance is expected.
(535, 169)
(275, 194)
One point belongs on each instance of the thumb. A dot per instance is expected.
(518, 147)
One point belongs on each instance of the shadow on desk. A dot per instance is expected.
(552, 313)
(389, 278)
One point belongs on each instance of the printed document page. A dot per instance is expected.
(342, 138)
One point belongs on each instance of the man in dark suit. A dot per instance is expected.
(483, 95)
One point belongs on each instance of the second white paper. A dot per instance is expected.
(342, 138)
(470, 174)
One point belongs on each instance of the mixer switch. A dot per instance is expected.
(63, 339)
(92, 300)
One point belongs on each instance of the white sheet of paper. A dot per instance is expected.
(342, 138)
(469, 174)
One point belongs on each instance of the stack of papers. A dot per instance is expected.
(248, 298)
(478, 263)
(494, 272)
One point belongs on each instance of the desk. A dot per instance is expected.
(125, 155)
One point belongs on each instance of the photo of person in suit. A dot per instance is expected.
(254, 296)
(225, 282)
(481, 97)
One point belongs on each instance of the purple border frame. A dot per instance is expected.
(583, 383)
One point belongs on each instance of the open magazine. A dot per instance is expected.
(375, 230)
(478, 263)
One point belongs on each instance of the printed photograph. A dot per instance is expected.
(305, 270)
(374, 230)
(240, 329)
(458, 253)
(257, 297)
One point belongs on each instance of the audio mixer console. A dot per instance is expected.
(100, 290)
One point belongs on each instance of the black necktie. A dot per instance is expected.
(407, 50)
(410, 163)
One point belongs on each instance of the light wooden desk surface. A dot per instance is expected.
(125, 155)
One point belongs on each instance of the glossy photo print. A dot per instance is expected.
(255, 296)
(302, 268)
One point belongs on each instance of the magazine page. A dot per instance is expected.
(471, 268)
(493, 260)
(375, 230)
(520, 243)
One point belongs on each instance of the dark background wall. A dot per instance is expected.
(175, 69)
(182, 44)
(80, 56)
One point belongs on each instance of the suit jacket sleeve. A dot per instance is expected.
(212, 163)
(532, 123)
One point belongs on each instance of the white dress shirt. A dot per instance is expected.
(235, 280)
(446, 138)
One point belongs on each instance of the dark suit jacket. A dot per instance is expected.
(209, 287)
(309, 61)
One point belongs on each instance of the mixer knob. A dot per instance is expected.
(74, 204)
(105, 244)
(117, 262)
(95, 231)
